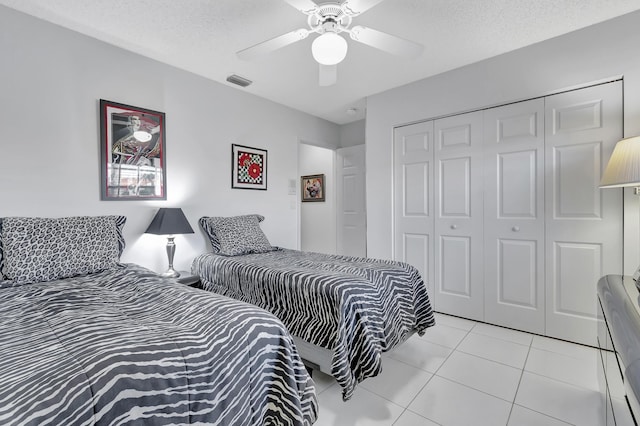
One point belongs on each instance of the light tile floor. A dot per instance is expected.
(466, 373)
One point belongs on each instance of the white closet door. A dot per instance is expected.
(413, 198)
(458, 225)
(352, 223)
(583, 222)
(514, 215)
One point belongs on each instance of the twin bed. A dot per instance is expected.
(342, 311)
(87, 340)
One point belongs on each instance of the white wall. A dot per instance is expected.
(51, 80)
(352, 134)
(600, 52)
(318, 218)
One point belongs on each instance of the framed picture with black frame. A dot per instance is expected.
(132, 147)
(248, 167)
(312, 187)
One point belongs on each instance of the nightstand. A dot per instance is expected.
(187, 278)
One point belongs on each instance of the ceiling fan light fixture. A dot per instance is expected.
(329, 49)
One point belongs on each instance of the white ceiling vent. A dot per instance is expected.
(240, 81)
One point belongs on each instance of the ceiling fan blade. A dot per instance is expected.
(275, 43)
(387, 42)
(356, 7)
(328, 75)
(304, 6)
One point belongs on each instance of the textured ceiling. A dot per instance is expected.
(202, 36)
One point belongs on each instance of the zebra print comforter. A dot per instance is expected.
(126, 347)
(356, 307)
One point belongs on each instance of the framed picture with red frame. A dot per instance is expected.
(248, 167)
(132, 147)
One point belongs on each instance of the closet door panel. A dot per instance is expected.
(517, 185)
(518, 276)
(514, 215)
(459, 283)
(584, 223)
(455, 265)
(577, 166)
(413, 198)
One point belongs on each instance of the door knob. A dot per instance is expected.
(454, 226)
(515, 228)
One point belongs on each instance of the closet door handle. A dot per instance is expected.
(454, 226)
(515, 229)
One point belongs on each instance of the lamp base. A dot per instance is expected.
(171, 273)
(171, 249)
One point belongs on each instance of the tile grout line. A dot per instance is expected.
(432, 375)
(466, 333)
(515, 395)
(404, 409)
(469, 331)
(529, 346)
(513, 404)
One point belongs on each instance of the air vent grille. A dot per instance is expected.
(240, 81)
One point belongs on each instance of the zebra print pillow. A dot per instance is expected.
(232, 236)
(46, 249)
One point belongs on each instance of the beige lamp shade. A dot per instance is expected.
(624, 165)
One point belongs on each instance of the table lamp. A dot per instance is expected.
(623, 168)
(169, 221)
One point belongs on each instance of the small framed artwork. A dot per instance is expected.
(312, 187)
(132, 147)
(248, 167)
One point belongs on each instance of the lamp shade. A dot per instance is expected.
(623, 168)
(169, 221)
(329, 49)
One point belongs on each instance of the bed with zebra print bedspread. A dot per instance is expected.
(125, 347)
(358, 308)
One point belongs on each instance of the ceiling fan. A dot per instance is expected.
(330, 19)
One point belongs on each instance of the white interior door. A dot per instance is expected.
(459, 281)
(583, 222)
(351, 202)
(514, 215)
(413, 198)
